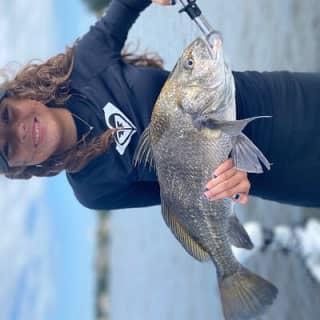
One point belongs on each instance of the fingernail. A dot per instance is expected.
(214, 176)
(206, 189)
(207, 196)
(236, 196)
(173, 2)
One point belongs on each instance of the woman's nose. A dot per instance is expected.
(21, 131)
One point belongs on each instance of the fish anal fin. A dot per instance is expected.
(143, 152)
(237, 234)
(182, 235)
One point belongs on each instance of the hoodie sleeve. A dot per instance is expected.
(103, 43)
(116, 23)
(140, 194)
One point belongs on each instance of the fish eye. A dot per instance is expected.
(188, 64)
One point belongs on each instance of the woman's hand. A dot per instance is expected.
(228, 182)
(165, 2)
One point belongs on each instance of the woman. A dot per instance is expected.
(61, 115)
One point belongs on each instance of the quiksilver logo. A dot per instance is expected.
(115, 118)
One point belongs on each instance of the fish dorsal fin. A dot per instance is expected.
(246, 156)
(143, 152)
(237, 234)
(179, 231)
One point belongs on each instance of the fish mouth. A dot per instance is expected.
(213, 44)
(213, 37)
(216, 46)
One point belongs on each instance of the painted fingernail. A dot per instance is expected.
(173, 2)
(236, 196)
(214, 176)
(207, 196)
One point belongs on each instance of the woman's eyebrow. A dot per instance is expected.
(3, 104)
(2, 144)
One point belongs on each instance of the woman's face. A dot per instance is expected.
(30, 132)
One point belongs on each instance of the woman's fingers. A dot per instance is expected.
(218, 179)
(224, 166)
(237, 184)
(228, 182)
(165, 2)
(243, 198)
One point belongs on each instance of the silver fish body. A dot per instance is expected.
(192, 131)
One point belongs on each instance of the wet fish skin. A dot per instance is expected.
(192, 131)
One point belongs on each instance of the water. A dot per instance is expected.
(152, 277)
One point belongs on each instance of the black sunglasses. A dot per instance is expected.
(4, 167)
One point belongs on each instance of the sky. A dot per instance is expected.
(47, 237)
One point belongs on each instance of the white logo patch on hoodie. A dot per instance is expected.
(115, 118)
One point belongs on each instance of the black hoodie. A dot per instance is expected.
(108, 93)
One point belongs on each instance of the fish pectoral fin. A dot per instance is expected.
(230, 127)
(237, 234)
(143, 153)
(182, 235)
(246, 155)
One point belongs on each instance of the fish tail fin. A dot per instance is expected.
(245, 295)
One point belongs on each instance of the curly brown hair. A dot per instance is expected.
(49, 83)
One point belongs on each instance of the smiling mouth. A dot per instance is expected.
(36, 133)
